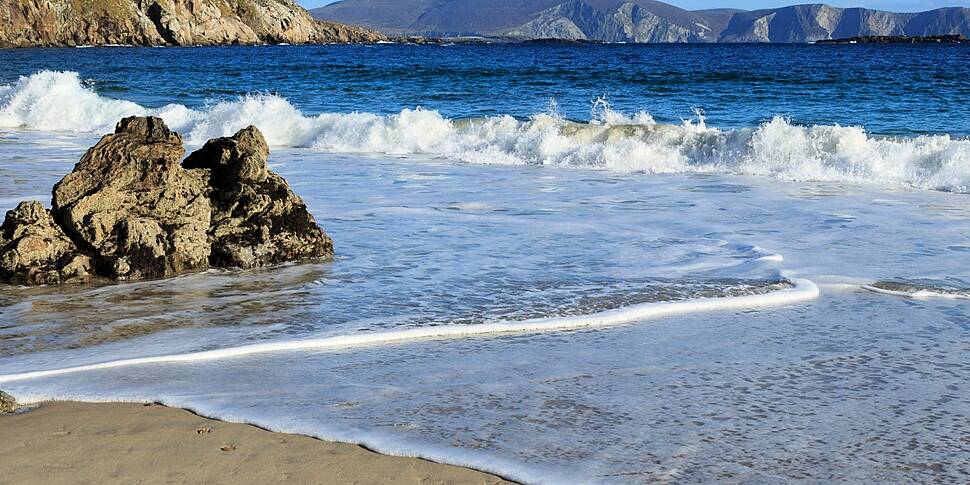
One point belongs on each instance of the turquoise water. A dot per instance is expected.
(594, 264)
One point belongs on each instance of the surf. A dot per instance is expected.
(612, 141)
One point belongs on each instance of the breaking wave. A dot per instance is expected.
(60, 101)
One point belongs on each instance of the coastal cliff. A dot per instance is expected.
(46, 23)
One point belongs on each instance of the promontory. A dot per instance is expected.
(68, 23)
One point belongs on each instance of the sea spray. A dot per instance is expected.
(58, 101)
(610, 141)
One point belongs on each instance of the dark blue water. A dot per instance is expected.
(895, 89)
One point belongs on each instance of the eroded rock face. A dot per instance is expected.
(132, 205)
(34, 250)
(256, 219)
(25, 23)
(130, 210)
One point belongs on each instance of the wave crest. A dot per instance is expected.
(59, 101)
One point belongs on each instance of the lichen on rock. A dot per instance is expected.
(130, 210)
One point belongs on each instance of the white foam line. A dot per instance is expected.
(803, 290)
(917, 295)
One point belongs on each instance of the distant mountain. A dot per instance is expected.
(618, 21)
(636, 20)
(808, 23)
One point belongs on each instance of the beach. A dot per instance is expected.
(543, 269)
(72, 442)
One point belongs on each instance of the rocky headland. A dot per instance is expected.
(132, 209)
(66, 23)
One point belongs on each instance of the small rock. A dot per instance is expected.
(7, 403)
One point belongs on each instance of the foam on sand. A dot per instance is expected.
(801, 290)
(611, 140)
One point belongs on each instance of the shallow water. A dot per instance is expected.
(718, 363)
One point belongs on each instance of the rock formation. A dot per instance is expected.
(256, 219)
(35, 251)
(130, 210)
(167, 22)
(133, 207)
(7, 403)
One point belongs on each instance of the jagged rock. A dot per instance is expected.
(130, 210)
(7, 403)
(35, 251)
(240, 158)
(256, 219)
(25, 23)
(133, 207)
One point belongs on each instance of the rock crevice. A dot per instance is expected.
(130, 210)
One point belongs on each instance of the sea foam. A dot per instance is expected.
(800, 291)
(611, 140)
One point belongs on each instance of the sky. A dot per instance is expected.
(893, 5)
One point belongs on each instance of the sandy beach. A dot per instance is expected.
(76, 443)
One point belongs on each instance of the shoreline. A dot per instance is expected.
(499, 41)
(78, 442)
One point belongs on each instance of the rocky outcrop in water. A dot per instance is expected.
(133, 207)
(26, 23)
(256, 219)
(130, 211)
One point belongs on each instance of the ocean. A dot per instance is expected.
(561, 264)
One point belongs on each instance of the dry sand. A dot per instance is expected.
(77, 443)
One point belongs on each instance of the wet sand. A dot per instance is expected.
(77, 443)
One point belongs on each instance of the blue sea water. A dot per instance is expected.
(888, 89)
(562, 264)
